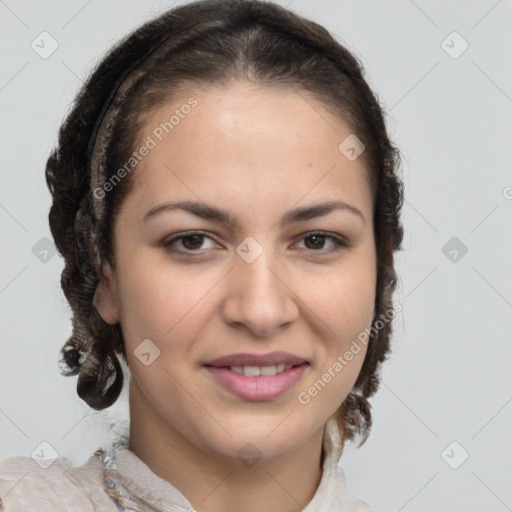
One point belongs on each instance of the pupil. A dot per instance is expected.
(319, 239)
(197, 238)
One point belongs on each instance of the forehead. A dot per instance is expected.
(245, 139)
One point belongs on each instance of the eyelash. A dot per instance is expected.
(339, 244)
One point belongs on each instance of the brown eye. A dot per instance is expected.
(316, 242)
(191, 243)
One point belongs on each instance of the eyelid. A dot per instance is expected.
(166, 242)
(327, 234)
(340, 242)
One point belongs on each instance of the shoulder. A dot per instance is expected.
(25, 485)
(359, 506)
(346, 501)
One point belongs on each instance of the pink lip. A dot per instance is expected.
(247, 359)
(262, 387)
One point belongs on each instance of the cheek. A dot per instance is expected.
(346, 306)
(162, 305)
(158, 299)
(344, 298)
(344, 301)
(168, 306)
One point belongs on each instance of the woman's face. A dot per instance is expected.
(254, 282)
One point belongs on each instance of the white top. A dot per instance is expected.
(117, 480)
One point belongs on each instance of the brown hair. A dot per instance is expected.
(204, 42)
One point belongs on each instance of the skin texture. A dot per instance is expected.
(257, 152)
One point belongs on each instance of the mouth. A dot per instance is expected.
(256, 371)
(247, 359)
(258, 383)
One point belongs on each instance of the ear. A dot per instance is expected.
(105, 298)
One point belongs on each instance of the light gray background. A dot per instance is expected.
(449, 377)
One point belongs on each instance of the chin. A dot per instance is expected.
(258, 440)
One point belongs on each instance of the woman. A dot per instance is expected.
(226, 199)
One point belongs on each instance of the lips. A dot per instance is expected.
(260, 360)
(260, 388)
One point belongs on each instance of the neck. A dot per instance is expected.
(218, 484)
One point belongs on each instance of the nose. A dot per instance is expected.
(259, 297)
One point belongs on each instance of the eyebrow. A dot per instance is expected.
(215, 214)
